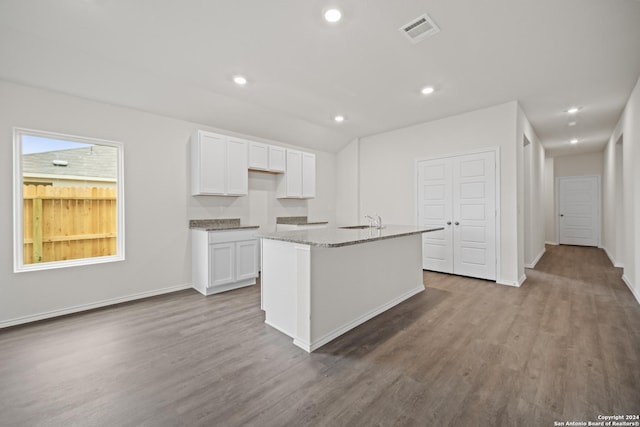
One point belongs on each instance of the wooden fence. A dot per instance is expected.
(62, 223)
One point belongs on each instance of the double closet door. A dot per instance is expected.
(459, 194)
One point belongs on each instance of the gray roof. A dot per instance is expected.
(97, 161)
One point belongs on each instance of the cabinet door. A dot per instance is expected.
(222, 263)
(237, 166)
(277, 159)
(246, 259)
(258, 156)
(210, 157)
(294, 174)
(308, 175)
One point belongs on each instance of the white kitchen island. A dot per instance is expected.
(319, 284)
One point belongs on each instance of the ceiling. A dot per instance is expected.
(177, 58)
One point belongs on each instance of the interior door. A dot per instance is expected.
(474, 215)
(435, 210)
(578, 210)
(458, 193)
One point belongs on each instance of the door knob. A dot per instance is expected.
(456, 223)
(448, 222)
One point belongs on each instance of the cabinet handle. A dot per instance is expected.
(448, 222)
(561, 214)
(456, 223)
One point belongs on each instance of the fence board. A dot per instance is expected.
(72, 223)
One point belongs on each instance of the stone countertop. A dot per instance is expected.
(218, 224)
(297, 220)
(336, 237)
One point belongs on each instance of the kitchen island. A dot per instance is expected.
(318, 284)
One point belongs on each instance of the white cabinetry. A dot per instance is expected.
(277, 159)
(308, 175)
(218, 165)
(299, 182)
(223, 260)
(265, 157)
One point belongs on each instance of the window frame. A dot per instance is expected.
(18, 203)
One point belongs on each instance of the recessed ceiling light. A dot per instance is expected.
(240, 80)
(332, 15)
(574, 141)
(573, 110)
(339, 119)
(427, 90)
(573, 123)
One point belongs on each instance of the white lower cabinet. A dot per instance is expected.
(223, 260)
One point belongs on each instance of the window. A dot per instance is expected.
(68, 201)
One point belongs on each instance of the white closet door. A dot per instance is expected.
(459, 194)
(474, 215)
(578, 206)
(435, 210)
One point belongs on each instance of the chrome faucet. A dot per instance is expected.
(374, 221)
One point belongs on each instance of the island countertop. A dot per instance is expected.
(336, 237)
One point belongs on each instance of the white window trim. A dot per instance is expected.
(18, 234)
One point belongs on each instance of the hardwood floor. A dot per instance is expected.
(563, 347)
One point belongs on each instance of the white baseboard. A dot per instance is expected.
(625, 279)
(85, 307)
(613, 261)
(522, 279)
(535, 261)
(309, 347)
(515, 284)
(551, 243)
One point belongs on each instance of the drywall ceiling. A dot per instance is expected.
(177, 58)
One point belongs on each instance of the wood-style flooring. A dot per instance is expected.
(563, 347)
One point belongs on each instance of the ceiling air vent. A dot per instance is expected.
(420, 28)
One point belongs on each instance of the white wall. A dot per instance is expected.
(387, 169)
(533, 184)
(549, 203)
(626, 253)
(157, 201)
(348, 184)
(579, 164)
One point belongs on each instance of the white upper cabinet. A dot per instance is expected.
(277, 159)
(237, 175)
(265, 157)
(308, 175)
(218, 165)
(258, 156)
(299, 181)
